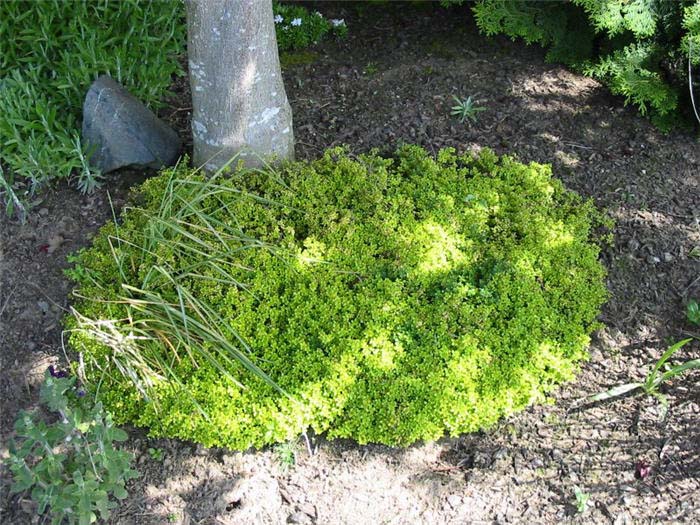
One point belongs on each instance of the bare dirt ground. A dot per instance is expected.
(392, 80)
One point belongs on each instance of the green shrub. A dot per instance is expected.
(403, 298)
(639, 48)
(296, 28)
(50, 52)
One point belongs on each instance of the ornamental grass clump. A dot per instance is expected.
(385, 300)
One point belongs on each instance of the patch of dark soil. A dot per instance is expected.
(392, 81)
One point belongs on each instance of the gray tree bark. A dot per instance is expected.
(239, 106)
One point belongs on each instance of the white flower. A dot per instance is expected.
(318, 14)
(338, 22)
(296, 22)
(279, 19)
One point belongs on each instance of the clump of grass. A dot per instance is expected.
(166, 326)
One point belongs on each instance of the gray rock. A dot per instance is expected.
(124, 132)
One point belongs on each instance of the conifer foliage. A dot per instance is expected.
(638, 48)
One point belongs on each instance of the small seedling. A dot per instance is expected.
(654, 379)
(581, 499)
(286, 454)
(156, 453)
(172, 518)
(371, 69)
(465, 109)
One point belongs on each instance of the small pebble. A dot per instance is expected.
(454, 500)
(500, 453)
(668, 257)
(596, 355)
(298, 517)
(537, 463)
(652, 259)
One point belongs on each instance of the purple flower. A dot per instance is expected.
(58, 374)
(80, 393)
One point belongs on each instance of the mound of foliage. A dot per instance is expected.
(639, 48)
(384, 300)
(50, 53)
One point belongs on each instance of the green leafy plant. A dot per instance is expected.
(70, 464)
(156, 454)
(50, 52)
(297, 28)
(465, 109)
(390, 299)
(656, 376)
(581, 499)
(693, 312)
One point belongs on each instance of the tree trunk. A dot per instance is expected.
(239, 106)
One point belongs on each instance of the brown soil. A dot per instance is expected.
(392, 80)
